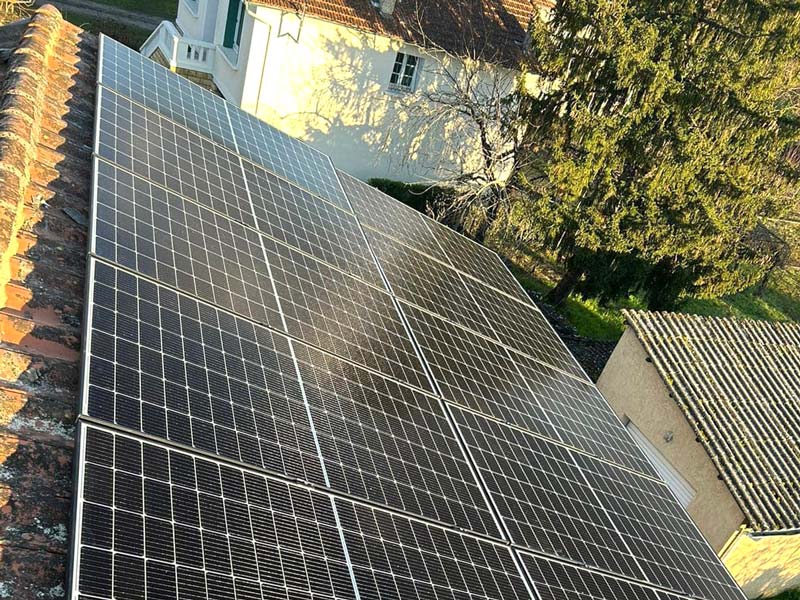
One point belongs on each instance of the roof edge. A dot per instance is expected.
(21, 105)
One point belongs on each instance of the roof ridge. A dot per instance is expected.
(21, 106)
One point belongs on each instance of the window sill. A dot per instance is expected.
(393, 90)
(230, 56)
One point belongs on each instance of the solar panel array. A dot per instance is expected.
(295, 387)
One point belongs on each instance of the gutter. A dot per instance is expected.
(252, 13)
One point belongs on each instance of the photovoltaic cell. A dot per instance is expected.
(182, 244)
(167, 365)
(428, 284)
(390, 444)
(150, 146)
(660, 534)
(476, 373)
(523, 327)
(558, 581)
(394, 557)
(476, 260)
(172, 96)
(295, 217)
(542, 496)
(386, 215)
(161, 524)
(582, 416)
(286, 156)
(142, 80)
(343, 315)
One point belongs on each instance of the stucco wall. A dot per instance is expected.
(635, 390)
(764, 565)
(327, 85)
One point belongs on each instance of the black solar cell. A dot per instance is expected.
(542, 496)
(166, 154)
(582, 416)
(476, 373)
(343, 315)
(389, 443)
(157, 523)
(395, 558)
(557, 581)
(165, 364)
(660, 534)
(295, 217)
(182, 244)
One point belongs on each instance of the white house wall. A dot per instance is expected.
(191, 18)
(327, 84)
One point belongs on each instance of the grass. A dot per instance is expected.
(166, 9)
(131, 36)
(591, 319)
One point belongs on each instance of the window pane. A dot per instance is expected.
(408, 72)
(398, 68)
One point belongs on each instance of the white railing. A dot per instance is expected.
(179, 52)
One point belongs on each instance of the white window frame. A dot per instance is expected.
(683, 491)
(397, 76)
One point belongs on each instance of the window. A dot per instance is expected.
(680, 487)
(404, 72)
(233, 25)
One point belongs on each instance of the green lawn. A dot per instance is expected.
(779, 302)
(133, 37)
(166, 9)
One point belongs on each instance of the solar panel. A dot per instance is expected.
(540, 492)
(477, 261)
(395, 557)
(389, 443)
(295, 217)
(153, 147)
(661, 535)
(158, 523)
(386, 215)
(476, 373)
(558, 581)
(343, 315)
(428, 284)
(167, 365)
(172, 96)
(140, 79)
(286, 156)
(581, 415)
(143, 227)
(282, 423)
(523, 327)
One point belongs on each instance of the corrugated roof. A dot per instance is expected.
(492, 29)
(738, 382)
(47, 83)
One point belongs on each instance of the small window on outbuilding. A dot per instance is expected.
(405, 72)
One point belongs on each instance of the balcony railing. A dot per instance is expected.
(180, 52)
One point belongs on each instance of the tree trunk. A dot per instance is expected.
(565, 286)
(486, 225)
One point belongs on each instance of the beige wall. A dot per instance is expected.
(328, 85)
(635, 390)
(764, 565)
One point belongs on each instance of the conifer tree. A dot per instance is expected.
(663, 132)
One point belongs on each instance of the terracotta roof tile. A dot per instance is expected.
(738, 383)
(46, 122)
(492, 29)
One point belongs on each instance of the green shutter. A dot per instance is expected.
(230, 23)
